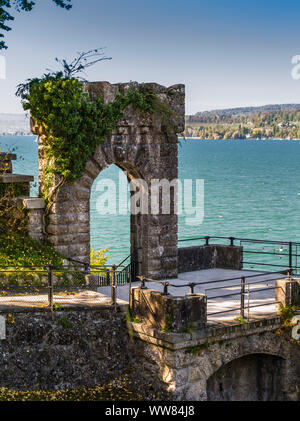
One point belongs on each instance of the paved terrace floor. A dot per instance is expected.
(211, 279)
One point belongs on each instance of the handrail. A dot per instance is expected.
(123, 261)
(239, 239)
(143, 279)
(248, 283)
(240, 293)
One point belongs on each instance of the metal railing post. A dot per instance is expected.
(50, 287)
(248, 297)
(231, 241)
(243, 297)
(207, 241)
(114, 287)
(86, 269)
(165, 291)
(290, 257)
(107, 277)
(192, 288)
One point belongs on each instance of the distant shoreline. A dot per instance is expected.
(257, 140)
(16, 135)
(180, 137)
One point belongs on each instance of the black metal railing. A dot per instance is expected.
(47, 285)
(259, 254)
(244, 292)
(126, 270)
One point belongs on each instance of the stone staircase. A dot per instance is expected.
(34, 205)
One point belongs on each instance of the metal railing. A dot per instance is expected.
(271, 253)
(244, 292)
(46, 286)
(126, 270)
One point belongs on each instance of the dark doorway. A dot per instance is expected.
(256, 377)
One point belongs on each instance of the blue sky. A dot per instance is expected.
(228, 53)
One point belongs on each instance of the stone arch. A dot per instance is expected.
(224, 353)
(143, 147)
(221, 354)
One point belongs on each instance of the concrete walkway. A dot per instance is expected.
(217, 282)
(81, 299)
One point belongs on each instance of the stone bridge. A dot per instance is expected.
(243, 362)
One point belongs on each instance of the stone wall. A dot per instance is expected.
(144, 148)
(78, 348)
(88, 347)
(209, 257)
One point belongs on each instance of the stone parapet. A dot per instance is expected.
(16, 178)
(209, 257)
(175, 341)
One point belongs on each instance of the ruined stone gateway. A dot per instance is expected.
(144, 148)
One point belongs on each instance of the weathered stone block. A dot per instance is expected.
(67, 219)
(57, 229)
(167, 312)
(288, 292)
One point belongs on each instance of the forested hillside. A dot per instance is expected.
(271, 121)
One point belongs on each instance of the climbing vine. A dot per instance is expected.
(74, 125)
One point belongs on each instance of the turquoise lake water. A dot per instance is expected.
(252, 190)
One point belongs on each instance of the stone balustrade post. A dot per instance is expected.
(288, 291)
(168, 312)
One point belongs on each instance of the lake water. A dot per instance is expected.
(252, 190)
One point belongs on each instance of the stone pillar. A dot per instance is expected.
(167, 312)
(35, 207)
(288, 292)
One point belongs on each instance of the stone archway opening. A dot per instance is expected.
(113, 224)
(254, 377)
(110, 216)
